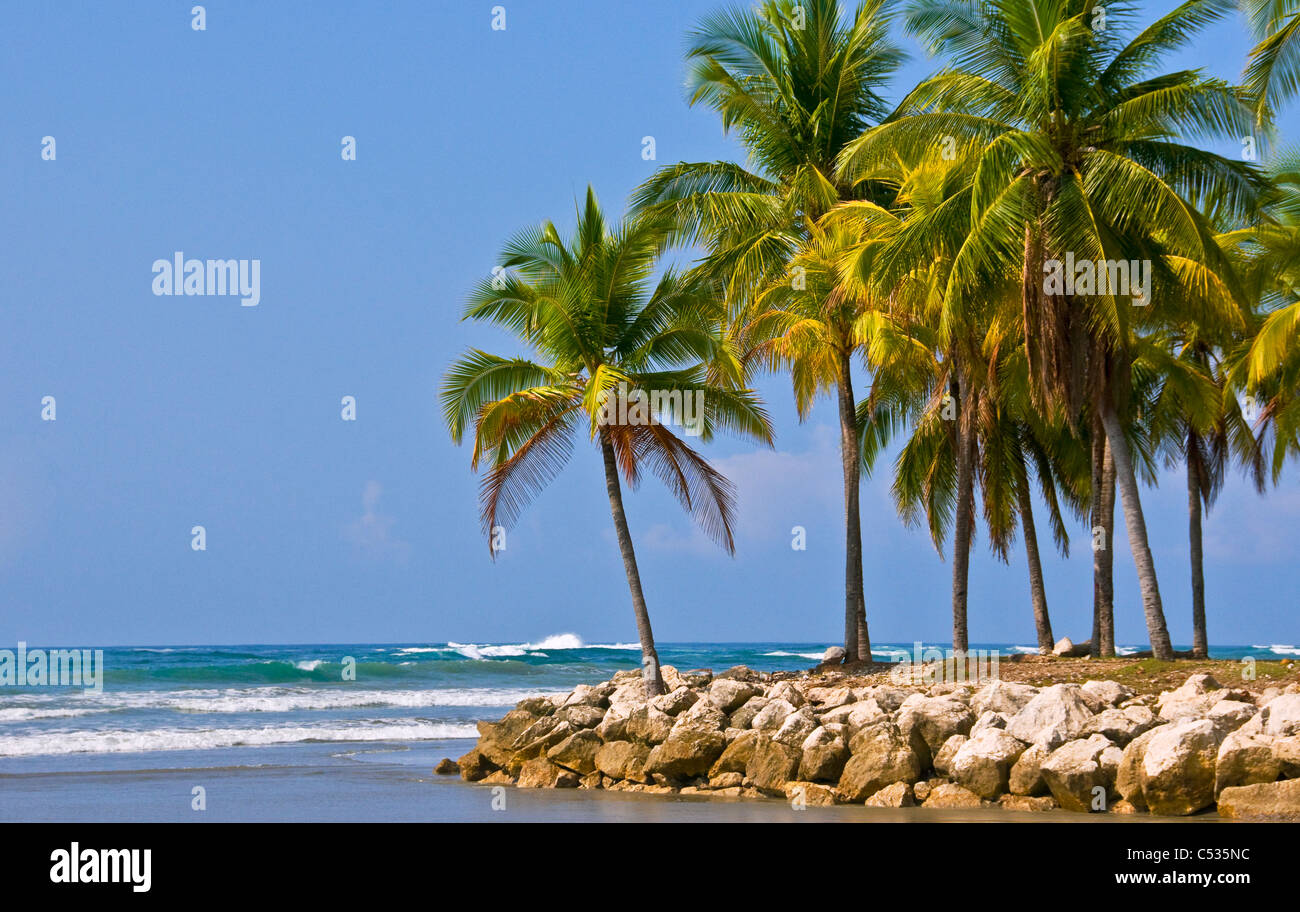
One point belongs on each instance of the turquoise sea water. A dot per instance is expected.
(276, 732)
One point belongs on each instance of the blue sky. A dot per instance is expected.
(179, 411)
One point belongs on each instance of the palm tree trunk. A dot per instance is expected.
(1102, 514)
(962, 533)
(855, 617)
(864, 639)
(1107, 576)
(1037, 591)
(654, 682)
(1200, 645)
(1139, 544)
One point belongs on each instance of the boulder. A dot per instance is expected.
(1055, 715)
(728, 695)
(1128, 778)
(1178, 768)
(1005, 697)
(771, 716)
(1279, 717)
(542, 773)
(702, 715)
(496, 740)
(810, 794)
(881, 755)
(826, 698)
(772, 764)
(1230, 715)
(889, 699)
(856, 715)
(983, 763)
(1100, 695)
(898, 795)
(1026, 775)
(1287, 753)
(787, 691)
(613, 727)
(989, 719)
(581, 715)
(937, 719)
(1121, 725)
(726, 780)
(675, 701)
(1074, 771)
(1025, 803)
(744, 717)
(446, 767)
(824, 756)
(648, 725)
(1268, 800)
(631, 693)
(576, 752)
(539, 745)
(622, 760)
(834, 655)
(948, 795)
(942, 762)
(796, 727)
(474, 766)
(686, 752)
(735, 757)
(1245, 759)
(582, 695)
(1195, 686)
(1067, 648)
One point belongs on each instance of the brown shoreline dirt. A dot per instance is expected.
(1143, 675)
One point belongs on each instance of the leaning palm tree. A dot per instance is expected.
(615, 356)
(1079, 161)
(795, 80)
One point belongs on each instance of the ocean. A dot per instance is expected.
(279, 733)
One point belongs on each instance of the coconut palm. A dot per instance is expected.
(1273, 70)
(795, 80)
(1079, 156)
(604, 337)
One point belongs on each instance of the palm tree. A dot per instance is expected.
(1273, 71)
(604, 339)
(1077, 158)
(809, 327)
(796, 80)
(1102, 515)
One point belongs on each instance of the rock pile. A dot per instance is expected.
(1083, 747)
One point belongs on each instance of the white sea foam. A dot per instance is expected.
(309, 664)
(274, 699)
(1284, 649)
(27, 714)
(796, 655)
(556, 642)
(173, 739)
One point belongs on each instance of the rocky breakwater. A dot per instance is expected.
(818, 740)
